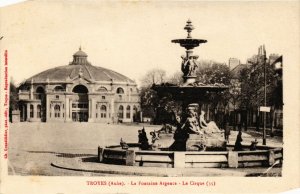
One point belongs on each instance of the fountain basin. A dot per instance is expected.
(133, 156)
(189, 43)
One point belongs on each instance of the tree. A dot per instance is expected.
(161, 109)
(176, 78)
(149, 97)
(252, 84)
(154, 76)
(211, 72)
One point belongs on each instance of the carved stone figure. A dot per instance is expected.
(191, 124)
(210, 127)
(188, 66)
(253, 145)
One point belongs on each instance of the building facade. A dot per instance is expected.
(79, 92)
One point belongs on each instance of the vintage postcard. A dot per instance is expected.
(149, 96)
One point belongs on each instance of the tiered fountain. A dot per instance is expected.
(189, 145)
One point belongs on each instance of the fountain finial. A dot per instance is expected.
(189, 28)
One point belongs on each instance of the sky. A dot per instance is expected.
(135, 37)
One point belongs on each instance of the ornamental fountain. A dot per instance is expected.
(192, 144)
(188, 135)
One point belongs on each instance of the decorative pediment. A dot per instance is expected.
(82, 79)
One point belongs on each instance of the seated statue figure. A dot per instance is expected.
(210, 127)
(191, 124)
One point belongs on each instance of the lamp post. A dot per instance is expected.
(265, 93)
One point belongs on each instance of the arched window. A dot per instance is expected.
(120, 91)
(120, 113)
(40, 89)
(31, 111)
(103, 111)
(57, 111)
(80, 89)
(59, 89)
(102, 89)
(128, 112)
(38, 111)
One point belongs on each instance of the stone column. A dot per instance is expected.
(70, 109)
(124, 112)
(98, 111)
(89, 109)
(35, 111)
(67, 109)
(141, 116)
(107, 111)
(28, 112)
(92, 110)
(129, 94)
(61, 110)
(48, 110)
(52, 111)
(131, 113)
(112, 109)
(23, 112)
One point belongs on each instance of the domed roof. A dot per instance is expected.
(68, 72)
(64, 73)
(80, 53)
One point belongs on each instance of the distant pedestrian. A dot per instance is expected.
(238, 143)
(143, 140)
(226, 127)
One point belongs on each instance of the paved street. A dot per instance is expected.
(34, 146)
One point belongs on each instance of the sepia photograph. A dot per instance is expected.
(153, 95)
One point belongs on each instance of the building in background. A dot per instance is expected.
(233, 62)
(79, 92)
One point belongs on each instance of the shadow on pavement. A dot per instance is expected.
(90, 159)
(63, 155)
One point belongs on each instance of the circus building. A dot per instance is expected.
(79, 92)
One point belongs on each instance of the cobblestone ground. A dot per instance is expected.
(33, 146)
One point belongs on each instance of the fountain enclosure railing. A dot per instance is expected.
(263, 156)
